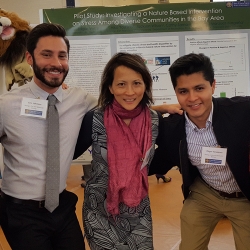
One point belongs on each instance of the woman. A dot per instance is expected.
(122, 132)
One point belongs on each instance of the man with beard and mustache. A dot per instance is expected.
(26, 223)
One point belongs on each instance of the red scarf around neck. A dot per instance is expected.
(126, 147)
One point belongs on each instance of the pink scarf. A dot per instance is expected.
(127, 146)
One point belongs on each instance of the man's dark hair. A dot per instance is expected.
(190, 64)
(42, 30)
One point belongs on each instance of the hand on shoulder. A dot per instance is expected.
(168, 108)
(64, 86)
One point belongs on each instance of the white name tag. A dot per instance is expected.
(213, 156)
(34, 108)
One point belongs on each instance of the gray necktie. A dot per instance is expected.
(53, 157)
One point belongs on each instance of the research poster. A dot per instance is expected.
(87, 60)
(160, 33)
(230, 57)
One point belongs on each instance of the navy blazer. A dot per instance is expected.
(231, 125)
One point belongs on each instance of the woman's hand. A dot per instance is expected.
(64, 86)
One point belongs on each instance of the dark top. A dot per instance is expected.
(231, 125)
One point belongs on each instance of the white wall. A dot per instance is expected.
(80, 3)
(29, 9)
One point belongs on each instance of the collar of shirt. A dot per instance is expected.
(191, 125)
(41, 94)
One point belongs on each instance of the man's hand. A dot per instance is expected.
(168, 108)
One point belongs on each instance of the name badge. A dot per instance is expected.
(213, 156)
(145, 160)
(34, 108)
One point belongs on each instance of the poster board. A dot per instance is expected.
(160, 33)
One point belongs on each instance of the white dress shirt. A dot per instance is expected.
(219, 177)
(25, 138)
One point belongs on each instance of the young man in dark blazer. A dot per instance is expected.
(210, 144)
